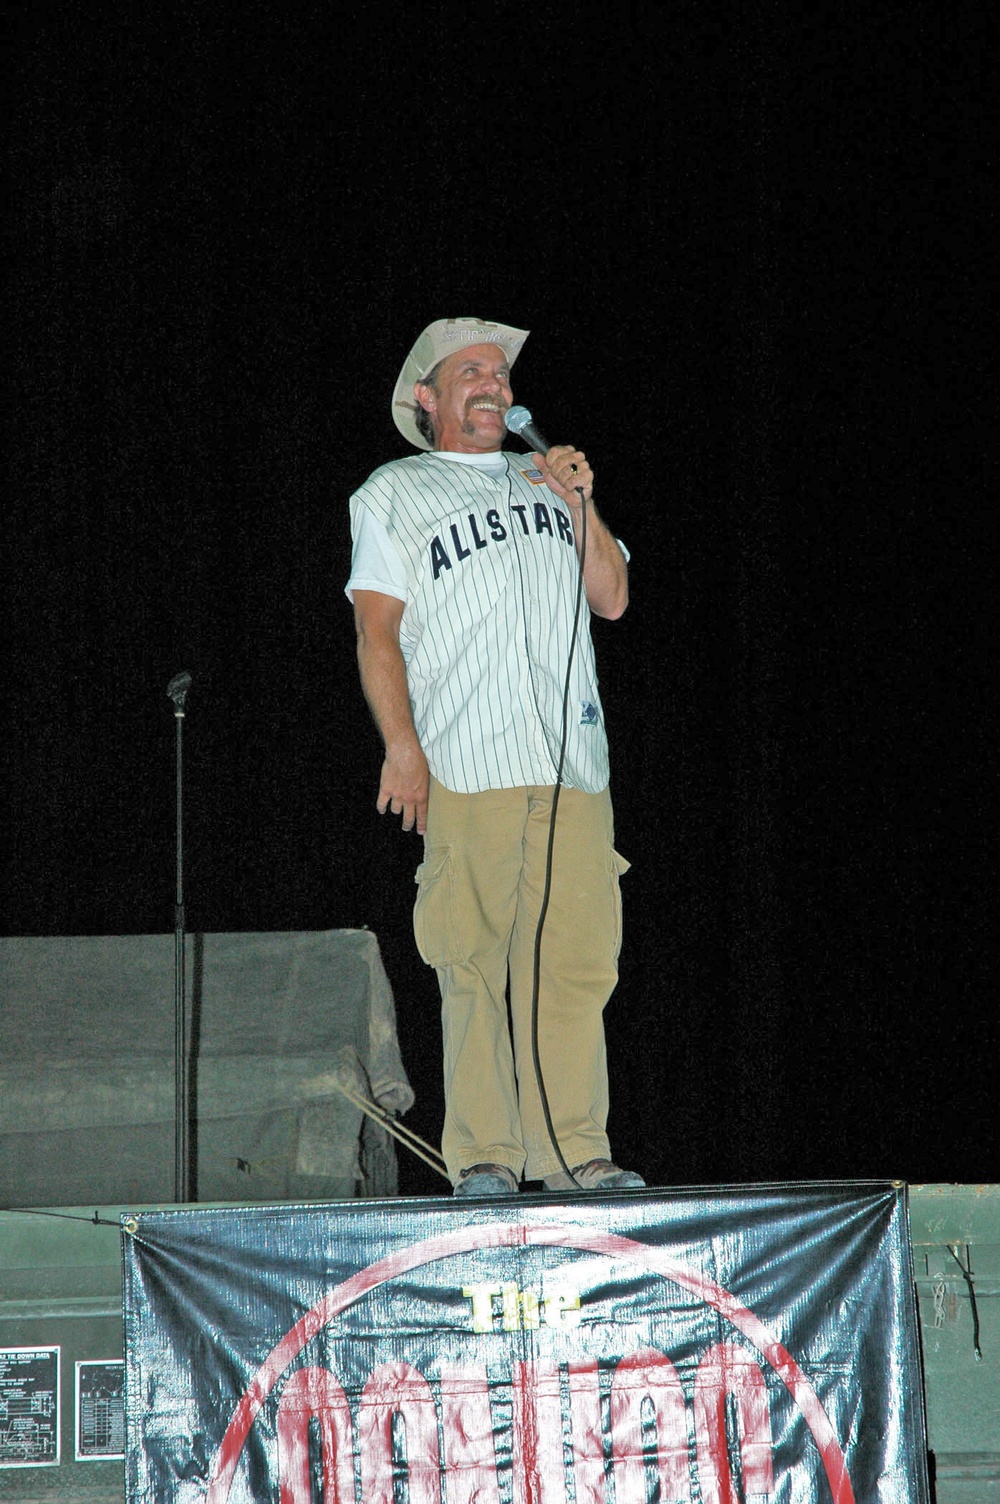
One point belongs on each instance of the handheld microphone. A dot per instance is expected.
(519, 421)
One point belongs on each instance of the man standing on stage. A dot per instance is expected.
(464, 580)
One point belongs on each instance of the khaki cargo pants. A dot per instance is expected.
(481, 886)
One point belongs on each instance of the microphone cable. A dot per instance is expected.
(546, 891)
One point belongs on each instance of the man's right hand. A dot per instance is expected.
(404, 786)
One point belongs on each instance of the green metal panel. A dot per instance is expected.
(60, 1285)
(955, 1235)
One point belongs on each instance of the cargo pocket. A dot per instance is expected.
(434, 910)
(619, 866)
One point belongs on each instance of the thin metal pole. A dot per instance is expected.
(177, 690)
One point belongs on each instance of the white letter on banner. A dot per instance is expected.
(647, 1374)
(467, 1424)
(728, 1369)
(314, 1393)
(520, 1309)
(482, 1305)
(397, 1389)
(562, 1307)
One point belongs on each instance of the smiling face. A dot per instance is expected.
(470, 395)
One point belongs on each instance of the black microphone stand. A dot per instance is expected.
(177, 690)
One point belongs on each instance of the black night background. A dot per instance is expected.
(753, 245)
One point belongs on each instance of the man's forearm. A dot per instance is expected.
(566, 471)
(605, 571)
(404, 782)
(383, 679)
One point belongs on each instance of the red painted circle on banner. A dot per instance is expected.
(510, 1234)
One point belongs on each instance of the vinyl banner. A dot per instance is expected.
(712, 1346)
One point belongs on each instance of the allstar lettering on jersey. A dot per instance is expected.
(462, 539)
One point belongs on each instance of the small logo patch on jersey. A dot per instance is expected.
(535, 476)
(588, 713)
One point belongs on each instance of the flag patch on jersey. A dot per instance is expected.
(588, 713)
(535, 476)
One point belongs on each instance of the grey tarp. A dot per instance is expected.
(87, 1084)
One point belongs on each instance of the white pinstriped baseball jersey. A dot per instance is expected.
(490, 570)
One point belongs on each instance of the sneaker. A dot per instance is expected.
(486, 1180)
(595, 1175)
